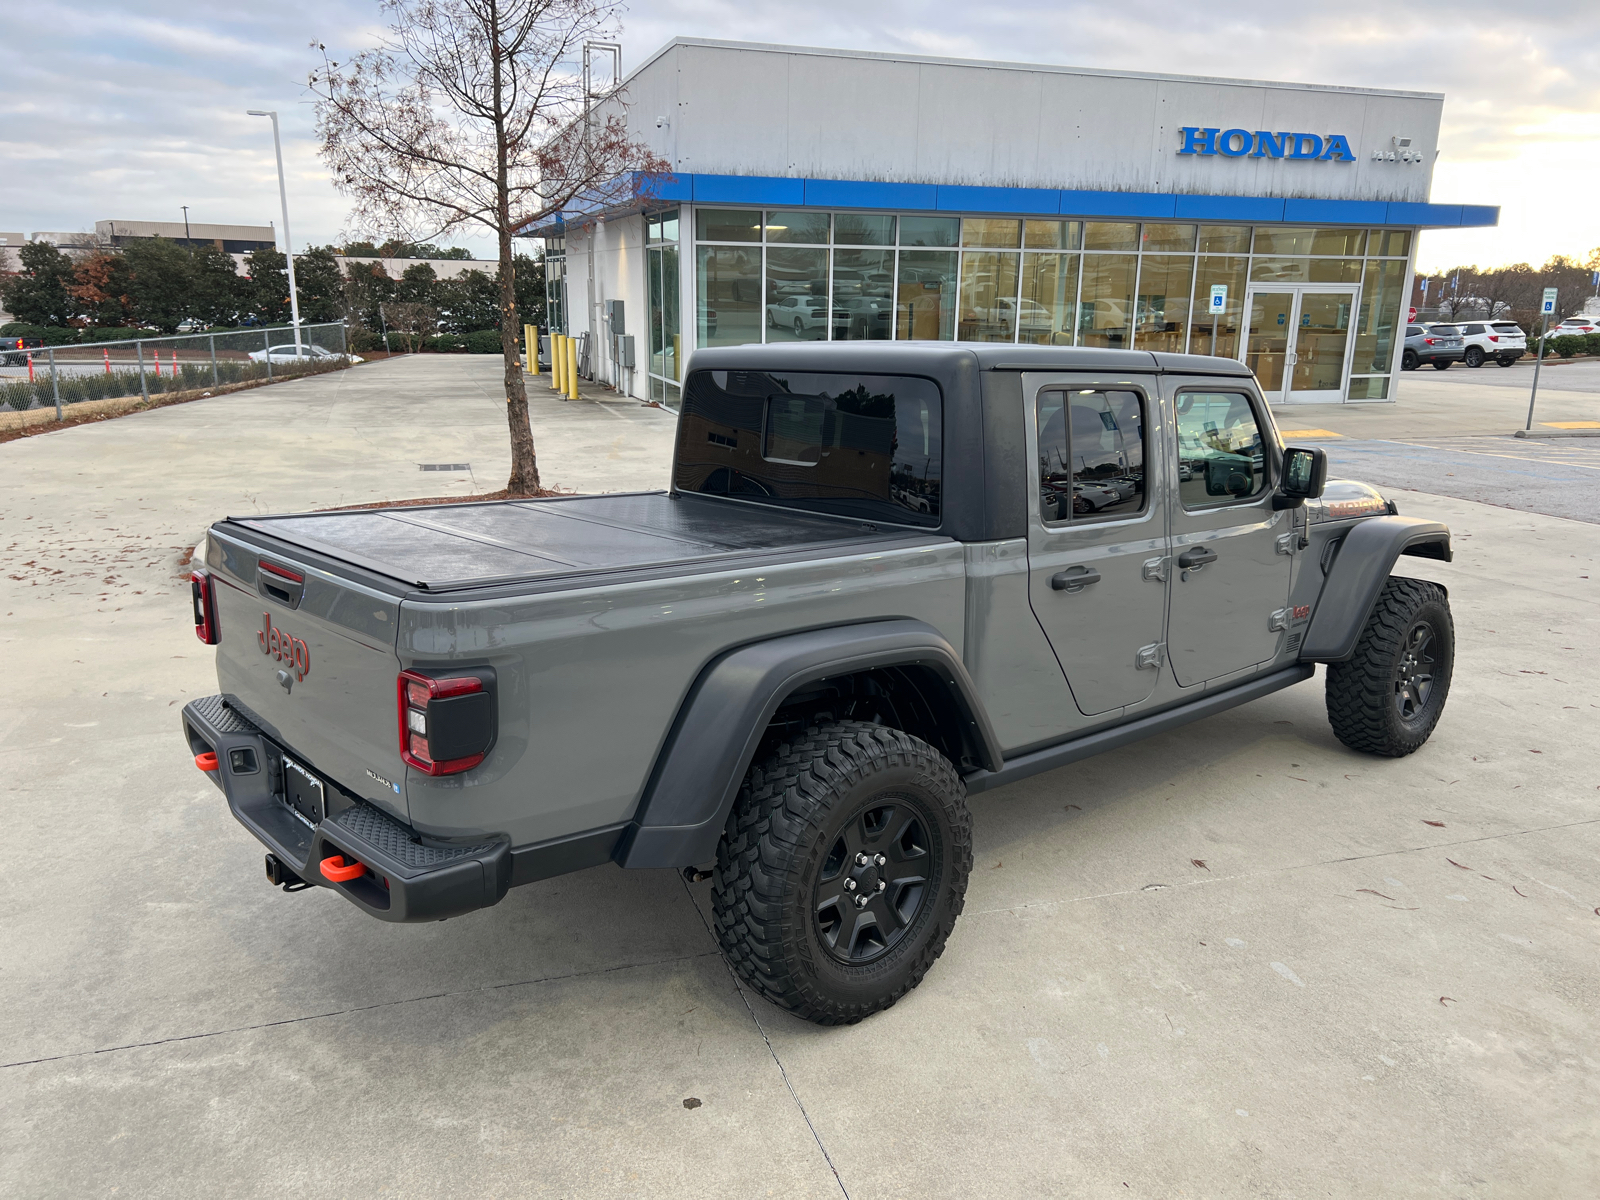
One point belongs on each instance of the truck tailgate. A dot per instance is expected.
(310, 657)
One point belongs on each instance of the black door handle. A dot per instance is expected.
(1198, 557)
(1074, 580)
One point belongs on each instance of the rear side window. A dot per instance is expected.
(864, 446)
(1091, 454)
(1472, 329)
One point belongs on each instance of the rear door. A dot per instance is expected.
(1230, 566)
(311, 656)
(1097, 534)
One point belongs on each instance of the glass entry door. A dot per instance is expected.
(1299, 342)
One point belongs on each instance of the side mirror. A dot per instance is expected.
(1305, 473)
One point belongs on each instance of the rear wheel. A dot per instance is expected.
(842, 870)
(1389, 696)
(1441, 364)
(1474, 356)
(1506, 361)
(1409, 360)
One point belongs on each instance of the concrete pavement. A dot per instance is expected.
(1235, 960)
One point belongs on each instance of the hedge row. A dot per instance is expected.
(1568, 345)
(75, 389)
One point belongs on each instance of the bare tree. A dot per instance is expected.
(471, 112)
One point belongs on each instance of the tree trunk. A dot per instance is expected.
(524, 480)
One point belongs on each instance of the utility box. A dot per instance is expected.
(614, 318)
(625, 349)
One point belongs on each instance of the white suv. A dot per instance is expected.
(1502, 341)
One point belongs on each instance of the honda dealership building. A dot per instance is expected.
(822, 194)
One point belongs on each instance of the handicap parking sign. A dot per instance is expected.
(1283, 319)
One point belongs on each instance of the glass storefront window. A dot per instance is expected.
(555, 287)
(1224, 239)
(808, 227)
(1168, 237)
(727, 295)
(665, 356)
(727, 225)
(1306, 270)
(1105, 306)
(662, 226)
(929, 231)
(1232, 273)
(1381, 294)
(926, 308)
(1310, 241)
(1110, 235)
(1390, 243)
(986, 231)
(1161, 315)
(1372, 387)
(1049, 295)
(988, 297)
(1052, 235)
(863, 294)
(854, 229)
(797, 295)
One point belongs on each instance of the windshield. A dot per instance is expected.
(864, 446)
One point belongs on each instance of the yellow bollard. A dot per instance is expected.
(530, 340)
(558, 361)
(572, 368)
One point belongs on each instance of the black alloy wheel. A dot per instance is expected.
(1441, 364)
(842, 870)
(1474, 356)
(874, 881)
(1387, 698)
(1507, 361)
(1409, 360)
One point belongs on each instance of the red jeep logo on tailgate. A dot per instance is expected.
(284, 648)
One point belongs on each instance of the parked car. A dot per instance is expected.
(807, 316)
(14, 349)
(416, 716)
(1502, 341)
(1440, 345)
(287, 354)
(1575, 325)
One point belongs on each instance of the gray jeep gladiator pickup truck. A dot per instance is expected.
(886, 577)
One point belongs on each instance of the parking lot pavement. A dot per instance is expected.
(1234, 960)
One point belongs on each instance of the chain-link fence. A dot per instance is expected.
(45, 376)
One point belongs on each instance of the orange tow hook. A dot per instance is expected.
(206, 761)
(339, 871)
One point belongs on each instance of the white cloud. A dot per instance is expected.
(130, 110)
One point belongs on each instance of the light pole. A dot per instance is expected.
(288, 245)
(187, 238)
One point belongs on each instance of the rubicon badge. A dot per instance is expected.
(275, 643)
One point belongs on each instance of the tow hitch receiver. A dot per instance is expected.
(280, 875)
(340, 871)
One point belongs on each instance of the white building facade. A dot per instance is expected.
(824, 194)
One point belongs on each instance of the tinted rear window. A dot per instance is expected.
(863, 446)
(1508, 329)
(1446, 330)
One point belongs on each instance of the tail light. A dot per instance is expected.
(448, 724)
(205, 607)
(1429, 341)
(1493, 338)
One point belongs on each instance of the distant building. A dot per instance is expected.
(235, 239)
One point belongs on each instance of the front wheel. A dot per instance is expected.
(1409, 360)
(1389, 696)
(1506, 362)
(842, 870)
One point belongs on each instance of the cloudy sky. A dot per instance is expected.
(130, 109)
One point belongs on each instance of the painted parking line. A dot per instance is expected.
(1571, 424)
(1310, 433)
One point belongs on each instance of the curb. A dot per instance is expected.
(1555, 433)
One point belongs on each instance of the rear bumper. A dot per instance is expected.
(408, 877)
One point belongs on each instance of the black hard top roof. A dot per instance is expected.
(940, 358)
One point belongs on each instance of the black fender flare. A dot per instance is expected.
(1360, 565)
(720, 724)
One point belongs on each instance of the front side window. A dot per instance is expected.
(1221, 450)
(1091, 454)
(862, 446)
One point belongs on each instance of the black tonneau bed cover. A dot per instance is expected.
(450, 547)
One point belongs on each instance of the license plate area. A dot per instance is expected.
(304, 793)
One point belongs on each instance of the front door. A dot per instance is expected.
(1299, 341)
(1097, 535)
(1230, 573)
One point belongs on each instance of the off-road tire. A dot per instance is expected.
(789, 813)
(1362, 694)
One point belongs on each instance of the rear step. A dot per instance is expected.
(403, 876)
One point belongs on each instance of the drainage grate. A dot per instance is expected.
(444, 466)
